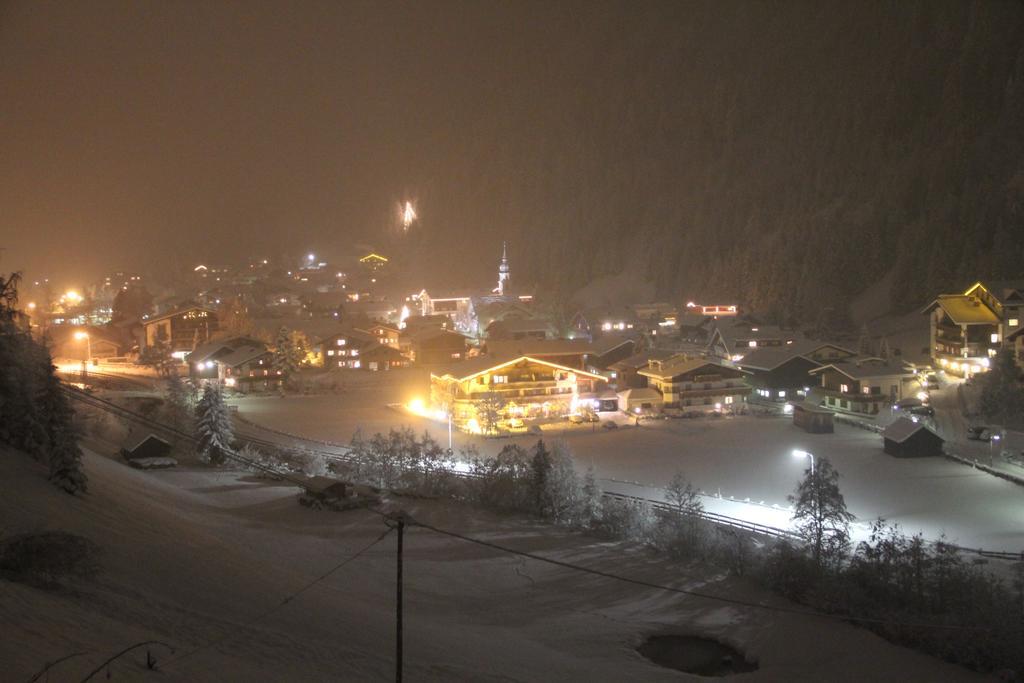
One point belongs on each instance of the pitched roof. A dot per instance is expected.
(242, 355)
(685, 364)
(865, 369)
(964, 310)
(639, 394)
(770, 357)
(472, 367)
(640, 360)
(902, 429)
(610, 342)
(178, 311)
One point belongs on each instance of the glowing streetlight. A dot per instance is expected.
(311, 257)
(805, 454)
(80, 335)
(408, 215)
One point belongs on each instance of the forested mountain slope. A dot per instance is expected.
(779, 154)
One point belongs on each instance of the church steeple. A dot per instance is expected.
(503, 270)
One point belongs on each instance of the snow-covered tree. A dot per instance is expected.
(289, 351)
(213, 425)
(489, 409)
(178, 405)
(540, 473)
(591, 503)
(681, 494)
(820, 513)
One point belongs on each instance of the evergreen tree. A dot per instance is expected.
(178, 406)
(288, 353)
(591, 503)
(540, 474)
(1002, 397)
(682, 496)
(820, 513)
(213, 425)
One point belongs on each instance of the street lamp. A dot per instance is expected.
(995, 439)
(88, 343)
(805, 454)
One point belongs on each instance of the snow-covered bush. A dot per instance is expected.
(213, 426)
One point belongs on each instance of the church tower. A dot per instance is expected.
(503, 272)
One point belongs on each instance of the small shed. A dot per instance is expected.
(905, 438)
(151, 446)
(812, 418)
(643, 399)
(607, 401)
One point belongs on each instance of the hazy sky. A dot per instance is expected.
(176, 131)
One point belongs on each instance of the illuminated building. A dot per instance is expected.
(699, 383)
(184, 329)
(968, 329)
(861, 385)
(519, 386)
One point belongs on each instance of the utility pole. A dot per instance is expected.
(398, 606)
(397, 520)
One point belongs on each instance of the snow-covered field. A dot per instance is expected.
(193, 557)
(743, 458)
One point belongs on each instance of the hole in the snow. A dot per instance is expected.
(695, 655)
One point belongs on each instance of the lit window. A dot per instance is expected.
(355, 352)
(456, 355)
(845, 388)
(341, 342)
(355, 364)
(752, 343)
(341, 363)
(500, 379)
(330, 352)
(606, 326)
(994, 337)
(728, 399)
(1014, 322)
(782, 394)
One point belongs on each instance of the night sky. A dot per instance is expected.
(175, 132)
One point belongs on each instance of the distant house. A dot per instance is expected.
(967, 330)
(433, 346)
(908, 439)
(150, 446)
(625, 372)
(183, 329)
(240, 362)
(385, 334)
(780, 373)
(861, 385)
(521, 328)
(103, 342)
(610, 349)
(735, 339)
(381, 357)
(343, 349)
(697, 382)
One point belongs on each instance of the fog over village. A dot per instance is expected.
(456, 341)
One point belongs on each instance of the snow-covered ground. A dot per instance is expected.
(193, 557)
(742, 458)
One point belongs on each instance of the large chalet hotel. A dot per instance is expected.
(967, 330)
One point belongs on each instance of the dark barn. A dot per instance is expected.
(908, 439)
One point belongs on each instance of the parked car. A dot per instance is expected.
(516, 426)
(577, 419)
(975, 432)
(924, 411)
(536, 430)
(931, 381)
(608, 424)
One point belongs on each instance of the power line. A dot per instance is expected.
(284, 602)
(694, 593)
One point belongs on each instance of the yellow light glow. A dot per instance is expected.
(81, 335)
(31, 305)
(72, 296)
(417, 406)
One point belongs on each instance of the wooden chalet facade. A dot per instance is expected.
(519, 386)
(183, 329)
(434, 346)
(697, 383)
(861, 386)
(967, 330)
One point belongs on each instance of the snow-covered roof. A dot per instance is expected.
(685, 364)
(964, 310)
(902, 429)
(472, 367)
(539, 347)
(641, 394)
(640, 360)
(865, 369)
(770, 357)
